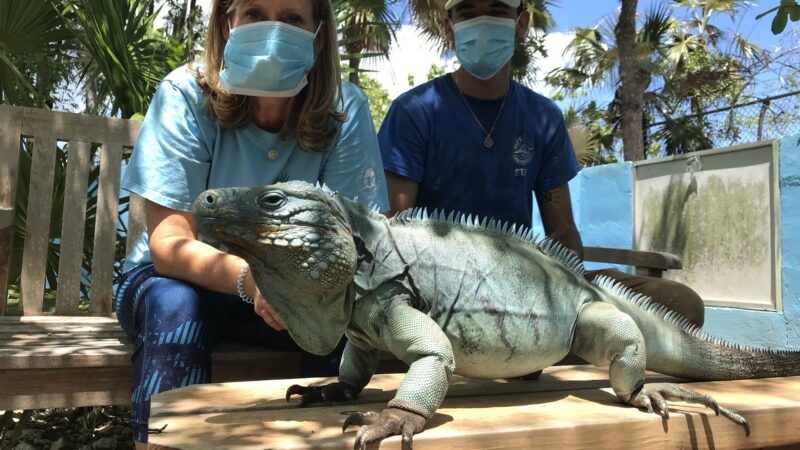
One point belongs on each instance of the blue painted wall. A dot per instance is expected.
(602, 203)
(602, 200)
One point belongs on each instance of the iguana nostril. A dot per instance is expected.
(209, 199)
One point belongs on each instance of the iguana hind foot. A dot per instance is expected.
(375, 426)
(658, 393)
(329, 393)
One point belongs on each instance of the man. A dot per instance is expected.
(477, 142)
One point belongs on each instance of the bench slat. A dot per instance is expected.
(106, 229)
(37, 230)
(136, 222)
(11, 120)
(658, 261)
(81, 127)
(70, 262)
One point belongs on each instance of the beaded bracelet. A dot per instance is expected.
(240, 285)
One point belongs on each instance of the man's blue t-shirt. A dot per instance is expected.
(430, 136)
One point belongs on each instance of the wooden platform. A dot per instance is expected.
(569, 407)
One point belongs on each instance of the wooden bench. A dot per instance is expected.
(568, 407)
(75, 357)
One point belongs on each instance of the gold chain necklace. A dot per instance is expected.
(488, 143)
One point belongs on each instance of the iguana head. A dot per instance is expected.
(298, 243)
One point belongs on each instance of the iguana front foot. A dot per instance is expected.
(658, 393)
(388, 422)
(329, 393)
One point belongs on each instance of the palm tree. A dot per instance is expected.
(123, 52)
(30, 34)
(367, 30)
(633, 82)
(679, 63)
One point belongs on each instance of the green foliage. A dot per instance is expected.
(34, 38)
(682, 136)
(127, 56)
(367, 30)
(687, 64)
(186, 26)
(788, 9)
(435, 71)
(379, 101)
(591, 135)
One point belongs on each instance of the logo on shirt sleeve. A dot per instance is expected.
(522, 156)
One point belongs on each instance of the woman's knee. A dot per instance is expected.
(167, 298)
(175, 312)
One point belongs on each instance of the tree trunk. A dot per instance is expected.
(179, 26)
(189, 49)
(354, 77)
(631, 84)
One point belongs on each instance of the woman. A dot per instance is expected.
(272, 107)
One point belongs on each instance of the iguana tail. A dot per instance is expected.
(678, 348)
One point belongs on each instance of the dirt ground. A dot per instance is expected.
(100, 428)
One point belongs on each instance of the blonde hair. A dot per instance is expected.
(314, 116)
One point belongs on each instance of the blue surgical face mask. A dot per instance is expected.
(485, 44)
(267, 59)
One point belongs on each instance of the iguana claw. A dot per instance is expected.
(659, 393)
(329, 393)
(388, 422)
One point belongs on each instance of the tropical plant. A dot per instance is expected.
(125, 54)
(34, 38)
(633, 81)
(685, 66)
(185, 23)
(378, 98)
(367, 30)
(788, 9)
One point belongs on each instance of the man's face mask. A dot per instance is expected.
(485, 44)
(267, 59)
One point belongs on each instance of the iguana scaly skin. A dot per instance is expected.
(454, 294)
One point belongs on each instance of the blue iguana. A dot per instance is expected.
(454, 294)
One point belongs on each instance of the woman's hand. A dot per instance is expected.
(261, 306)
(266, 312)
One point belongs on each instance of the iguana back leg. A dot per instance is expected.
(605, 336)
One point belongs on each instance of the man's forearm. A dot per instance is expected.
(570, 238)
(555, 208)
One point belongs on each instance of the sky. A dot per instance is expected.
(413, 55)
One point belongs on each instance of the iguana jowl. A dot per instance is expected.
(454, 294)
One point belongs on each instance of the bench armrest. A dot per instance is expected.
(6, 218)
(646, 262)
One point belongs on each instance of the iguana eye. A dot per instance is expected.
(272, 200)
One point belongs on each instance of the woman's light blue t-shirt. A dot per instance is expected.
(181, 151)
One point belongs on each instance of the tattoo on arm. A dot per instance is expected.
(548, 199)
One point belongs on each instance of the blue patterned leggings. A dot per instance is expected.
(175, 325)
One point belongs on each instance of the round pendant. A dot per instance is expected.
(488, 142)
